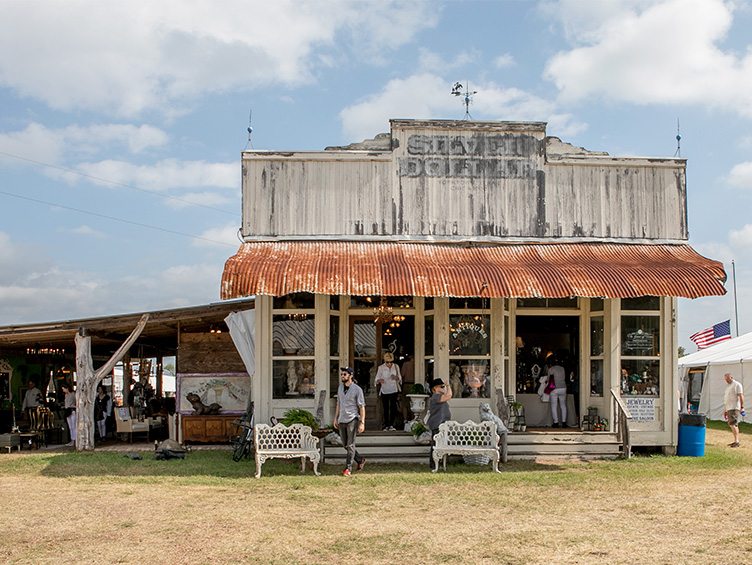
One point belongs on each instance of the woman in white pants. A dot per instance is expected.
(558, 396)
(70, 411)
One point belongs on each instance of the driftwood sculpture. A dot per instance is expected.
(201, 409)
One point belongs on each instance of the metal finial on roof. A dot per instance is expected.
(249, 145)
(467, 96)
(678, 140)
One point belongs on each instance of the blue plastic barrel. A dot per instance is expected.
(691, 435)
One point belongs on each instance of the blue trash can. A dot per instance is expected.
(691, 435)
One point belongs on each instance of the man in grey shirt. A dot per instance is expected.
(350, 418)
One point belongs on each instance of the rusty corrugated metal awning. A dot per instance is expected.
(547, 270)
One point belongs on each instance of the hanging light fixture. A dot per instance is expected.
(383, 312)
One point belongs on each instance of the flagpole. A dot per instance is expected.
(736, 309)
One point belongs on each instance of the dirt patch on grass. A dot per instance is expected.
(108, 509)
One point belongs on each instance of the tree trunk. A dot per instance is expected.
(87, 380)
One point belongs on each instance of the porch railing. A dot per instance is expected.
(622, 417)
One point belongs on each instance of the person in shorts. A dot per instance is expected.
(733, 405)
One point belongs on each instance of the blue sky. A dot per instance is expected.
(132, 116)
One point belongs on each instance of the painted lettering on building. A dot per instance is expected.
(501, 156)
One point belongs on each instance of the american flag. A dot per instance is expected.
(711, 336)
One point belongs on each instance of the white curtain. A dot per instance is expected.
(243, 333)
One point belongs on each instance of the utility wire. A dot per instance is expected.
(114, 183)
(115, 219)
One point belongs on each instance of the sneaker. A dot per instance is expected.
(735, 444)
(385, 429)
(359, 466)
(391, 429)
(346, 473)
(70, 444)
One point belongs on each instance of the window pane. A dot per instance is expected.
(596, 336)
(547, 302)
(429, 370)
(467, 302)
(428, 303)
(596, 305)
(334, 303)
(294, 378)
(429, 336)
(468, 335)
(596, 377)
(364, 301)
(470, 378)
(334, 336)
(641, 303)
(293, 334)
(640, 377)
(296, 300)
(640, 335)
(333, 378)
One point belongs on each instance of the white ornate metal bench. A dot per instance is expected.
(470, 438)
(286, 443)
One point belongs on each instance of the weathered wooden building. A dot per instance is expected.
(475, 251)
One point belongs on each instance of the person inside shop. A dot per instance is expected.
(102, 411)
(70, 411)
(558, 396)
(31, 399)
(438, 411)
(389, 383)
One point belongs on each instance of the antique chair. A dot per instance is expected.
(124, 424)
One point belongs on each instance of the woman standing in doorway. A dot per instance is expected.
(388, 377)
(70, 411)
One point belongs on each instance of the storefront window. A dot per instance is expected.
(294, 378)
(596, 336)
(470, 377)
(640, 336)
(374, 301)
(547, 303)
(295, 300)
(428, 303)
(467, 302)
(334, 336)
(334, 379)
(334, 303)
(469, 334)
(641, 303)
(596, 377)
(596, 305)
(640, 376)
(293, 334)
(429, 336)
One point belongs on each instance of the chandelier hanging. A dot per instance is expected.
(383, 312)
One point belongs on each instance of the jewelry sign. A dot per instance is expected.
(641, 409)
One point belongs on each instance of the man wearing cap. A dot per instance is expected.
(350, 418)
(438, 410)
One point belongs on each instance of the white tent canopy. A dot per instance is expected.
(731, 356)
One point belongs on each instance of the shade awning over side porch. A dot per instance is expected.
(544, 270)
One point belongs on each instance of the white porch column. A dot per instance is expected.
(261, 390)
(440, 340)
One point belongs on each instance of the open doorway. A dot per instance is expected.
(543, 341)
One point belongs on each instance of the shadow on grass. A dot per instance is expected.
(219, 464)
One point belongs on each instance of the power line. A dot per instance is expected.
(114, 219)
(114, 183)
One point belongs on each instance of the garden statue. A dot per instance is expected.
(201, 409)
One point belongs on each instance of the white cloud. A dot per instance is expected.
(164, 175)
(221, 236)
(47, 145)
(504, 61)
(426, 95)
(651, 52)
(429, 61)
(742, 238)
(87, 231)
(741, 175)
(126, 58)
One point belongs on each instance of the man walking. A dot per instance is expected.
(733, 405)
(350, 418)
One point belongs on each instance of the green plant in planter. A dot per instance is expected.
(417, 388)
(299, 416)
(418, 428)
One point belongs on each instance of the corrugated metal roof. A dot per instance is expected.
(547, 270)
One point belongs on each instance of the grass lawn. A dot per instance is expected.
(105, 508)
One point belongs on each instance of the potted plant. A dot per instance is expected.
(299, 416)
(421, 434)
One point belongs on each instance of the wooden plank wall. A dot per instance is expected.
(208, 353)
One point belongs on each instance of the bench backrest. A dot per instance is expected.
(297, 436)
(470, 434)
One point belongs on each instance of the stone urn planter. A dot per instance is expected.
(417, 404)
